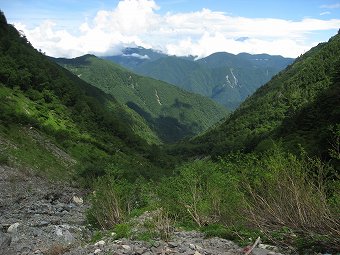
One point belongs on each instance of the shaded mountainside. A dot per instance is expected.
(170, 112)
(226, 78)
(299, 106)
(90, 125)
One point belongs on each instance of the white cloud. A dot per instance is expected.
(135, 55)
(330, 6)
(137, 23)
(325, 13)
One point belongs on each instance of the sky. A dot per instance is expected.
(71, 28)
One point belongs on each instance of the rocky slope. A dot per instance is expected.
(37, 216)
(48, 218)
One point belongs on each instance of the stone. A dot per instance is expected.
(192, 246)
(12, 229)
(36, 232)
(96, 251)
(172, 244)
(126, 247)
(58, 231)
(68, 237)
(197, 253)
(198, 247)
(260, 251)
(168, 250)
(100, 243)
(78, 200)
(148, 253)
(42, 224)
(140, 250)
(25, 250)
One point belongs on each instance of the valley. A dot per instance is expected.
(99, 159)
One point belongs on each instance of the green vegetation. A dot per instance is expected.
(168, 111)
(281, 197)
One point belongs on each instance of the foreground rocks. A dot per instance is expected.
(36, 216)
(41, 217)
(186, 243)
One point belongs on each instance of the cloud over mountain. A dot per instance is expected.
(200, 33)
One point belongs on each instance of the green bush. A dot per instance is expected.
(283, 190)
(110, 202)
(201, 193)
(113, 200)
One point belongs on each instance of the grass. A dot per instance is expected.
(28, 153)
(122, 230)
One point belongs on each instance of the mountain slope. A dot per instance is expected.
(226, 78)
(47, 112)
(288, 98)
(171, 112)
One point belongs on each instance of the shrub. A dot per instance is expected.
(110, 202)
(201, 193)
(292, 192)
(113, 200)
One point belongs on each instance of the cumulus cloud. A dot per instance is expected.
(138, 23)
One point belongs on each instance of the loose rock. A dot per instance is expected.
(12, 229)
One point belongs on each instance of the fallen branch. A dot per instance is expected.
(254, 245)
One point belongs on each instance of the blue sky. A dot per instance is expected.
(199, 27)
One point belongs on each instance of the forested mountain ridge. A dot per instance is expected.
(170, 112)
(276, 108)
(226, 78)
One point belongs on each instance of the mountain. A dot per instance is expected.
(54, 122)
(226, 78)
(300, 105)
(170, 112)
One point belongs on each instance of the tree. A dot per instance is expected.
(3, 20)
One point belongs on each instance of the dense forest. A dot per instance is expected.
(270, 169)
